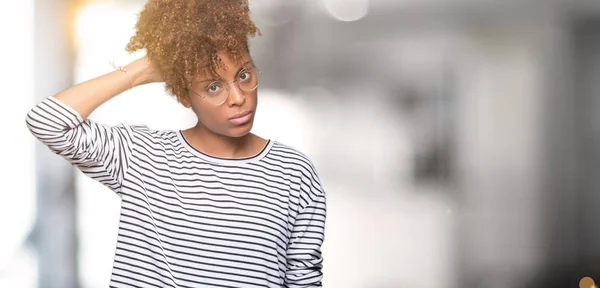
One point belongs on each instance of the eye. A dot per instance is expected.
(213, 87)
(244, 76)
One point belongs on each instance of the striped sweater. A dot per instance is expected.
(189, 219)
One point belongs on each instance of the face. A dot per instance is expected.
(235, 116)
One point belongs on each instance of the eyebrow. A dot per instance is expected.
(242, 67)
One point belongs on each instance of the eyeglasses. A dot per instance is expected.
(217, 92)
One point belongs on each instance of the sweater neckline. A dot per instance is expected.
(222, 160)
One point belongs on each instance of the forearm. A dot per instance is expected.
(87, 96)
(304, 258)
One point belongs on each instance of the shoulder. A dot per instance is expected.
(144, 129)
(144, 135)
(292, 156)
(298, 160)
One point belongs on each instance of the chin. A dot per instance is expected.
(240, 131)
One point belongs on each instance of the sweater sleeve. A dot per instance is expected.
(101, 152)
(304, 259)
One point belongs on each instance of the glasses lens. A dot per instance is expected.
(248, 80)
(215, 93)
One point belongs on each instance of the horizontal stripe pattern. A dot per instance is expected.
(189, 219)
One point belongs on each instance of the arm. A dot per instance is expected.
(304, 259)
(84, 98)
(100, 151)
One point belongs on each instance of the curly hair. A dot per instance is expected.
(182, 37)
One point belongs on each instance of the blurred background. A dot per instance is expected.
(458, 140)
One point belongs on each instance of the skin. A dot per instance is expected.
(213, 134)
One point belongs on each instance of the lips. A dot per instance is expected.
(241, 118)
(240, 115)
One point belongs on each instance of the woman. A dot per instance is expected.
(210, 206)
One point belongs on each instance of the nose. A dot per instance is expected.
(236, 95)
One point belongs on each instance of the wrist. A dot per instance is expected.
(136, 70)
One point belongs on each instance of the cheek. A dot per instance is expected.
(252, 100)
(208, 117)
(211, 117)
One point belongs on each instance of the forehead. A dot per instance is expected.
(228, 62)
(228, 68)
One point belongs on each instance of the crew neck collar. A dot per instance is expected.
(215, 159)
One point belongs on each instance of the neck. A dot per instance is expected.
(222, 146)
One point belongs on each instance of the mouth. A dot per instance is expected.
(241, 118)
(240, 115)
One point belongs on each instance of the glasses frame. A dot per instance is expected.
(228, 88)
